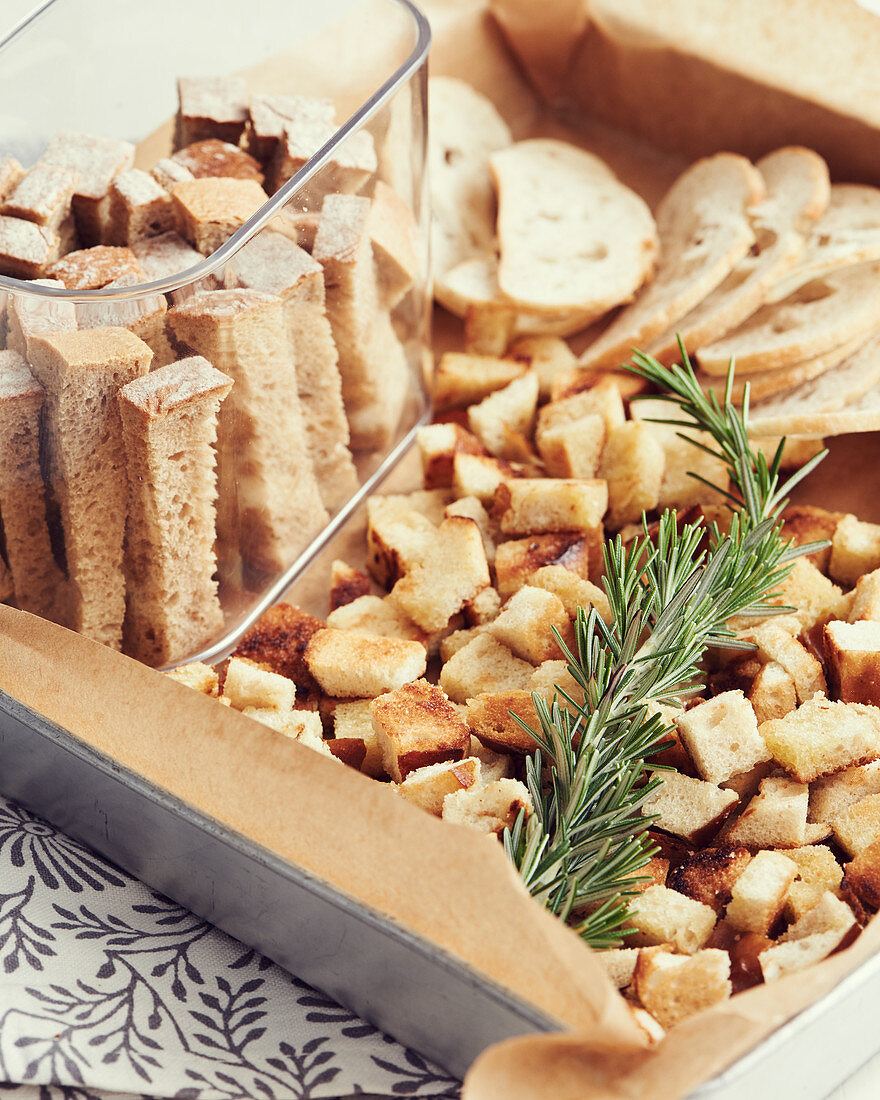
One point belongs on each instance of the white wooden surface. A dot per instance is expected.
(864, 1085)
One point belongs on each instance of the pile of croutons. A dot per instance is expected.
(769, 826)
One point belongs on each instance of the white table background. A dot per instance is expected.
(864, 1085)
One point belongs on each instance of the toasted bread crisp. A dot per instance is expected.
(415, 726)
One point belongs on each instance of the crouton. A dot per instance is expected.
(483, 665)
(518, 559)
(689, 808)
(747, 783)
(198, 676)
(866, 598)
(430, 503)
(573, 448)
(527, 622)
(858, 826)
(477, 475)
(461, 380)
(493, 765)
(353, 666)
(438, 445)
(449, 572)
(790, 956)
(855, 549)
(489, 807)
(573, 590)
(457, 640)
(551, 678)
(471, 508)
(278, 640)
(854, 658)
(352, 721)
(397, 536)
(775, 818)
(506, 414)
(374, 615)
(620, 963)
(248, 685)
(415, 726)
(659, 915)
(830, 915)
(491, 717)
(427, 787)
(802, 897)
(633, 464)
(351, 751)
(527, 506)
(863, 875)
(673, 987)
(549, 356)
(721, 735)
(483, 608)
(832, 795)
(822, 737)
(772, 694)
(814, 597)
(758, 895)
(805, 524)
(776, 644)
(346, 584)
(488, 327)
(603, 399)
(708, 876)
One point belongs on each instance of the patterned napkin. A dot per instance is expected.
(107, 987)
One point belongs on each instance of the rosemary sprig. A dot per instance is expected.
(671, 597)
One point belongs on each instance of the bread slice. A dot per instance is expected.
(819, 316)
(372, 362)
(28, 316)
(572, 236)
(464, 129)
(169, 427)
(704, 228)
(847, 233)
(395, 238)
(38, 582)
(81, 373)
(804, 410)
(272, 263)
(269, 504)
(797, 194)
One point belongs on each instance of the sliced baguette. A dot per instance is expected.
(704, 228)
(797, 194)
(572, 237)
(819, 316)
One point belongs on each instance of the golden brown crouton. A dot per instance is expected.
(855, 549)
(397, 536)
(549, 356)
(822, 737)
(858, 826)
(354, 666)
(490, 716)
(483, 665)
(518, 559)
(278, 640)
(527, 506)
(689, 808)
(415, 726)
(866, 598)
(633, 463)
(775, 818)
(804, 524)
(863, 875)
(460, 380)
(573, 590)
(772, 694)
(854, 658)
(758, 895)
(493, 765)
(551, 678)
(438, 445)
(353, 722)
(346, 584)
(480, 475)
(573, 448)
(248, 685)
(831, 795)
(471, 508)
(427, 787)
(813, 596)
(777, 644)
(506, 415)
(488, 327)
(721, 735)
(483, 608)
(660, 915)
(817, 866)
(488, 807)
(673, 987)
(198, 676)
(708, 876)
(526, 625)
(620, 963)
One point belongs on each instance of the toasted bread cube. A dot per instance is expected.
(854, 656)
(397, 537)
(450, 572)
(772, 694)
(353, 666)
(483, 608)
(138, 207)
(462, 380)
(830, 915)
(866, 598)
(427, 787)
(551, 678)
(793, 955)
(491, 717)
(620, 963)
(493, 765)
(633, 464)
(806, 524)
(528, 506)
(746, 784)
(518, 559)
(775, 818)
(374, 615)
(305, 728)
(212, 107)
(457, 640)
(708, 876)
(346, 584)
(278, 640)
(438, 445)
(527, 622)
(776, 644)
(248, 685)
(415, 726)
(817, 866)
(832, 795)
(816, 832)
(721, 736)
(821, 737)
(660, 915)
(573, 448)
(858, 826)
(483, 665)
(479, 475)
(352, 721)
(572, 590)
(802, 897)
(506, 414)
(471, 508)
(199, 676)
(603, 399)
(430, 503)
(549, 356)
(863, 875)
(489, 807)
(815, 598)
(758, 895)
(855, 549)
(210, 210)
(673, 987)
(679, 489)
(488, 327)
(689, 808)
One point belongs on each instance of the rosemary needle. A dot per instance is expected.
(671, 597)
